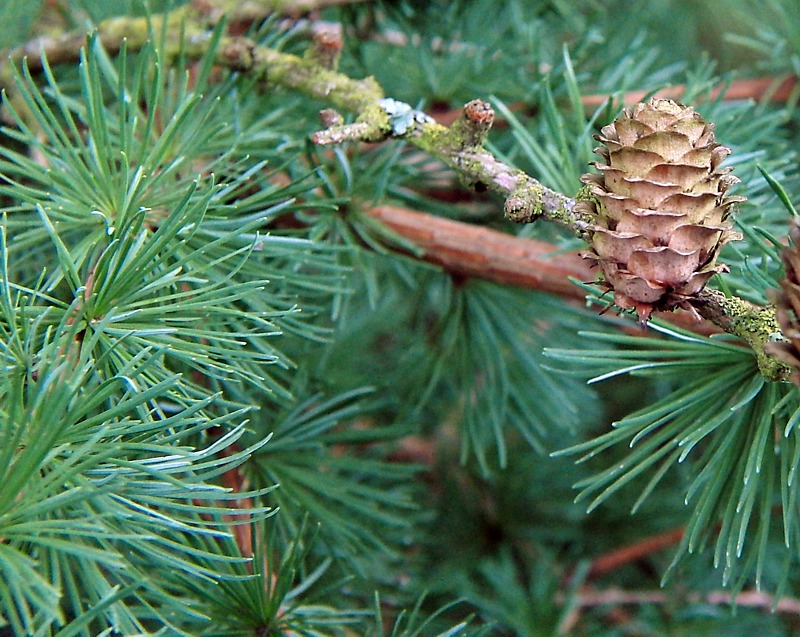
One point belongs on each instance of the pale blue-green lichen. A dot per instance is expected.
(756, 326)
(403, 117)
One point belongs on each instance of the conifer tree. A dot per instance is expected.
(340, 317)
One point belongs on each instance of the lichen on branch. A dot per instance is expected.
(755, 325)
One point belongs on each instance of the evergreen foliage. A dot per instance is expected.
(233, 402)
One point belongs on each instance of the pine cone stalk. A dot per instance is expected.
(660, 209)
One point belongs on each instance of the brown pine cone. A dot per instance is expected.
(660, 206)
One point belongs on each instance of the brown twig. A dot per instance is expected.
(471, 250)
(750, 599)
(615, 597)
(198, 14)
(617, 558)
(234, 480)
(772, 88)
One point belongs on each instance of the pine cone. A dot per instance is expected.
(787, 308)
(660, 210)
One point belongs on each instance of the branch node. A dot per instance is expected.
(756, 326)
(326, 47)
(237, 54)
(472, 127)
(519, 209)
(330, 118)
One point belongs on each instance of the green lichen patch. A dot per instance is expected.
(756, 326)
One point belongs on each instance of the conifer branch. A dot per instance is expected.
(138, 315)
(459, 146)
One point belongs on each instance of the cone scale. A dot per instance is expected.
(660, 206)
